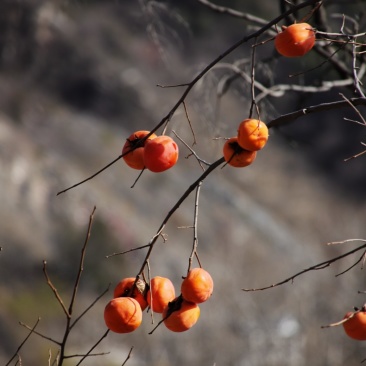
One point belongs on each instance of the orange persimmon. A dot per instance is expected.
(252, 134)
(160, 154)
(161, 292)
(295, 40)
(124, 289)
(123, 315)
(180, 315)
(198, 286)
(355, 326)
(235, 155)
(135, 158)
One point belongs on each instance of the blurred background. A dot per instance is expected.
(77, 77)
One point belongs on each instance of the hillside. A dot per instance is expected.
(76, 78)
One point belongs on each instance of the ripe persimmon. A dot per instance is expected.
(135, 159)
(161, 292)
(355, 326)
(123, 315)
(295, 40)
(160, 154)
(198, 286)
(252, 134)
(235, 155)
(124, 289)
(180, 315)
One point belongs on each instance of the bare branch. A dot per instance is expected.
(195, 220)
(53, 288)
(354, 108)
(91, 349)
(128, 251)
(190, 124)
(25, 340)
(190, 189)
(81, 264)
(40, 334)
(291, 117)
(93, 175)
(200, 161)
(233, 12)
(90, 306)
(341, 321)
(312, 268)
(128, 356)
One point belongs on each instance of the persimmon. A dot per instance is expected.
(160, 154)
(180, 315)
(355, 326)
(235, 155)
(295, 40)
(252, 134)
(123, 315)
(135, 159)
(124, 289)
(198, 286)
(161, 292)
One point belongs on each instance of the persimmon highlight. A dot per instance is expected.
(198, 286)
(123, 315)
(235, 155)
(252, 134)
(161, 292)
(295, 40)
(124, 289)
(160, 154)
(135, 159)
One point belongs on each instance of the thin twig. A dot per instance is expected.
(90, 306)
(312, 268)
(356, 155)
(25, 340)
(90, 354)
(40, 334)
(200, 161)
(91, 349)
(128, 356)
(151, 296)
(128, 251)
(81, 263)
(233, 12)
(195, 221)
(345, 241)
(190, 124)
(354, 108)
(53, 288)
(291, 117)
(352, 266)
(341, 321)
(92, 176)
(252, 83)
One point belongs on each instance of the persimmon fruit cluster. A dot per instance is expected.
(123, 314)
(155, 153)
(183, 312)
(241, 150)
(296, 40)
